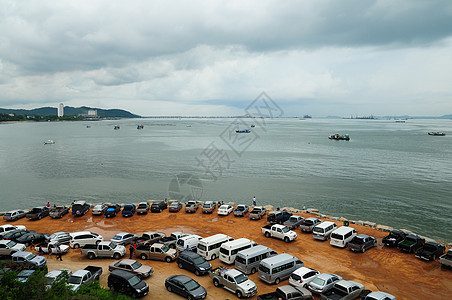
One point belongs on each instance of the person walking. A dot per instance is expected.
(58, 249)
(131, 249)
(254, 201)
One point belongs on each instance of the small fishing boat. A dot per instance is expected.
(243, 131)
(252, 126)
(116, 127)
(437, 133)
(49, 142)
(140, 126)
(339, 137)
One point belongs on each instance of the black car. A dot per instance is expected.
(185, 286)
(15, 234)
(158, 206)
(411, 243)
(127, 283)
(112, 210)
(33, 237)
(430, 251)
(394, 238)
(362, 242)
(193, 262)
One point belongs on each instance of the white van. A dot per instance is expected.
(323, 230)
(277, 268)
(247, 261)
(229, 250)
(341, 236)
(189, 242)
(209, 247)
(82, 238)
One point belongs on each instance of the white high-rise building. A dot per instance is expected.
(60, 110)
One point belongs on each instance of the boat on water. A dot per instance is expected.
(88, 126)
(140, 126)
(437, 133)
(243, 131)
(117, 127)
(252, 126)
(307, 117)
(188, 125)
(49, 142)
(339, 137)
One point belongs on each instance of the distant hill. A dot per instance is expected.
(71, 111)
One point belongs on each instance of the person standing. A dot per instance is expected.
(131, 249)
(48, 204)
(254, 201)
(58, 249)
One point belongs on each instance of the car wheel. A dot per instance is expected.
(286, 239)
(116, 255)
(253, 270)
(180, 266)
(76, 246)
(143, 256)
(190, 297)
(168, 259)
(216, 283)
(267, 234)
(97, 242)
(169, 288)
(214, 256)
(239, 294)
(197, 273)
(277, 281)
(91, 255)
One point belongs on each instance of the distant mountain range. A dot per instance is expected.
(71, 111)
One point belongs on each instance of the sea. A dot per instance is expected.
(390, 173)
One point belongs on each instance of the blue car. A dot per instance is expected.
(129, 210)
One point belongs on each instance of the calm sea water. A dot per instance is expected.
(389, 173)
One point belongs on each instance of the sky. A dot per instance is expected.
(213, 58)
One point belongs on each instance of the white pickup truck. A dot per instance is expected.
(79, 277)
(233, 281)
(280, 232)
(104, 249)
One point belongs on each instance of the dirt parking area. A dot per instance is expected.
(379, 268)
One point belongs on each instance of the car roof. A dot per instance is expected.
(181, 278)
(122, 233)
(21, 254)
(127, 261)
(303, 270)
(326, 275)
(361, 235)
(287, 289)
(122, 273)
(189, 254)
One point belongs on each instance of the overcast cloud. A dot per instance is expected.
(214, 57)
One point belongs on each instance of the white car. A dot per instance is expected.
(225, 210)
(8, 227)
(124, 238)
(323, 282)
(54, 275)
(301, 277)
(379, 296)
(52, 247)
(8, 247)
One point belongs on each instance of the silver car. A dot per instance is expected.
(323, 282)
(143, 208)
(124, 238)
(99, 209)
(14, 215)
(60, 236)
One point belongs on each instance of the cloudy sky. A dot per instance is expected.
(214, 57)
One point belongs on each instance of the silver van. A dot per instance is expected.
(247, 261)
(277, 268)
(323, 230)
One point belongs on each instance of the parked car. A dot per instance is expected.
(430, 251)
(37, 213)
(233, 281)
(143, 208)
(60, 236)
(112, 210)
(28, 260)
(343, 290)
(225, 210)
(99, 209)
(301, 277)
(81, 277)
(15, 234)
(82, 238)
(171, 240)
(129, 210)
(258, 213)
(446, 259)
(411, 243)
(208, 207)
(185, 287)
(378, 296)
(10, 247)
(279, 232)
(309, 224)
(394, 238)
(362, 242)
(52, 247)
(193, 262)
(104, 249)
(127, 283)
(191, 206)
(55, 275)
(175, 206)
(158, 206)
(287, 292)
(124, 238)
(278, 216)
(33, 237)
(80, 208)
(241, 210)
(58, 211)
(132, 266)
(149, 237)
(156, 252)
(323, 282)
(293, 222)
(24, 275)
(4, 229)
(14, 215)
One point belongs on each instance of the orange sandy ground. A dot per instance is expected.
(379, 268)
